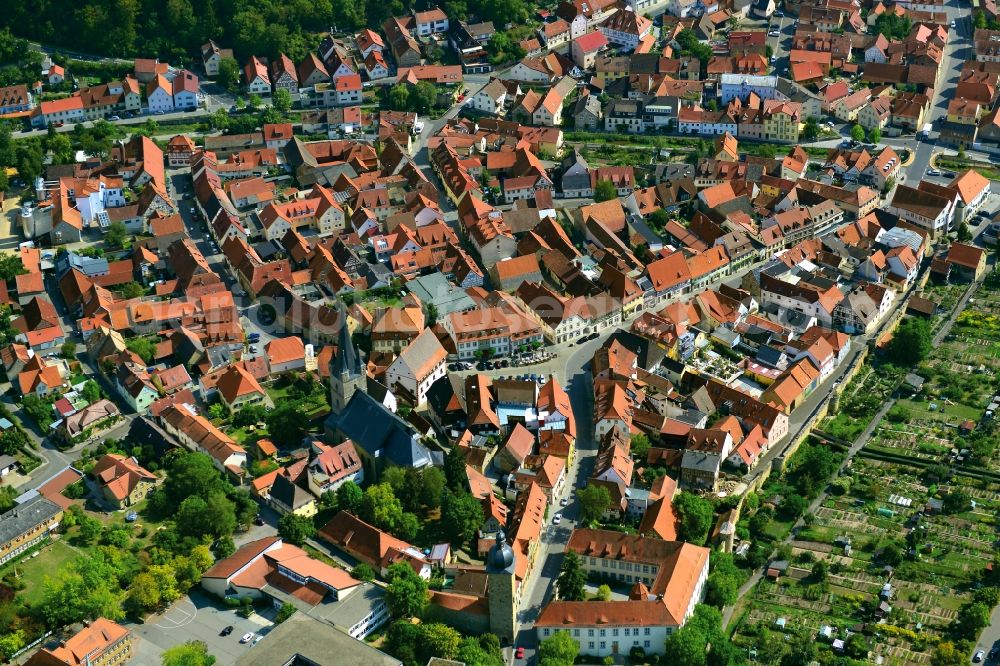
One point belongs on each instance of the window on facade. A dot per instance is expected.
(590, 644)
(646, 631)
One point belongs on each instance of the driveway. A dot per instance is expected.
(197, 617)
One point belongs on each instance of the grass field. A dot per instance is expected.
(52, 557)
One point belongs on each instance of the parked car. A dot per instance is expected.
(556, 519)
(519, 653)
(114, 118)
(228, 630)
(978, 657)
(131, 517)
(563, 502)
(247, 637)
(258, 521)
(933, 172)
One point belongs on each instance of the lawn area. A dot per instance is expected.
(921, 410)
(53, 556)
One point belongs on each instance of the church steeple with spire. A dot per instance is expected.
(347, 369)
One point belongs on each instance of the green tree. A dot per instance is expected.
(11, 643)
(639, 446)
(286, 611)
(473, 652)
(281, 100)
(604, 190)
(857, 646)
(286, 425)
(61, 148)
(461, 517)
(594, 501)
(559, 649)
(454, 469)
(971, 619)
(440, 640)
(249, 415)
(132, 290)
(144, 347)
(363, 572)
(911, 342)
(12, 440)
(91, 391)
(858, 133)
(572, 578)
(874, 135)
(11, 266)
(963, 233)
(695, 514)
(423, 97)
(296, 529)
(350, 497)
(406, 594)
(192, 653)
(253, 101)
(380, 507)
(39, 411)
(603, 593)
(946, 654)
(810, 132)
(802, 652)
(211, 516)
(398, 97)
(723, 582)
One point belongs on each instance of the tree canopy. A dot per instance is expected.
(572, 578)
(559, 649)
(407, 592)
(695, 515)
(911, 342)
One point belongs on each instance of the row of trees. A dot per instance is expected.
(416, 644)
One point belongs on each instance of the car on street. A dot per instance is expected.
(978, 657)
(131, 517)
(563, 502)
(258, 521)
(253, 349)
(114, 118)
(953, 25)
(519, 653)
(226, 631)
(773, 33)
(933, 172)
(556, 519)
(247, 637)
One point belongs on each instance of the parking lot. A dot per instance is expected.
(196, 617)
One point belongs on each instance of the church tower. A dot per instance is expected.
(347, 370)
(500, 588)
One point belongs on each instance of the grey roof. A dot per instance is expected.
(770, 356)
(347, 360)
(26, 517)
(500, 559)
(288, 493)
(701, 460)
(381, 433)
(7, 461)
(352, 608)
(87, 265)
(301, 640)
(435, 288)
